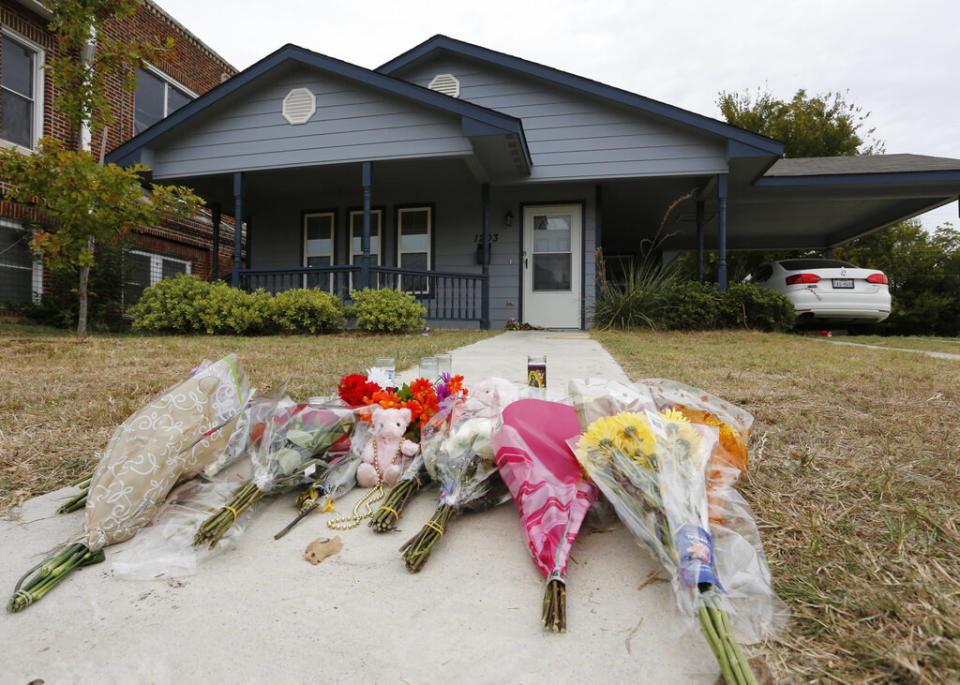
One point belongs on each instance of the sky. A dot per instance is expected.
(897, 60)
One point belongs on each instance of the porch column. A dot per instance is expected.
(367, 181)
(700, 207)
(238, 188)
(598, 243)
(215, 261)
(722, 229)
(485, 285)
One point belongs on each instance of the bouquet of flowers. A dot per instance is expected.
(293, 447)
(458, 455)
(730, 459)
(551, 494)
(651, 467)
(170, 439)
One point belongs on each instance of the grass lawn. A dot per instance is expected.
(854, 474)
(906, 342)
(60, 400)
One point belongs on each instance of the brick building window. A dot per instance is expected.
(157, 96)
(21, 273)
(144, 269)
(21, 91)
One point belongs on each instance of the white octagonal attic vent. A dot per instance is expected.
(446, 84)
(299, 105)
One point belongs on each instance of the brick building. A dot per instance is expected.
(28, 112)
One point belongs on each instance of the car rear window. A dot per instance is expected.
(800, 264)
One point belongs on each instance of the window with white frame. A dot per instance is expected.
(21, 273)
(21, 91)
(356, 236)
(318, 238)
(414, 231)
(144, 269)
(157, 96)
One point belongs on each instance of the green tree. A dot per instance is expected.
(924, 274)
(823, 125)
(80, 200)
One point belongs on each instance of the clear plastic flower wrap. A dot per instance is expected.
(293, 447)
(458, 456)
(651, 465)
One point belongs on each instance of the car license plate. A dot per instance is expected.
(843, 283)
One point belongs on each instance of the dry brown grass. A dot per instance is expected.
(60, 400)
(854, 475)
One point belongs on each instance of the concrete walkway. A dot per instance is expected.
(259, 613)
(929, 353)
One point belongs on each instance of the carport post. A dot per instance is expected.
(367, 181)
(485, 284)
(722, 230)
(215, 260)
(238, 187)
(700, 204)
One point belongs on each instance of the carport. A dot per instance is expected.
(801, 203)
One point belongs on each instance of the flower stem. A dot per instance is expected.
(386, 517)
(78, 501)
(219, 523)
(50, 573)
(554, 615)
(716, 628)
(417, 549)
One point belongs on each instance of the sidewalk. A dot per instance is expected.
(261, 614)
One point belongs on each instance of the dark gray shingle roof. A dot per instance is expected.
(865, 164)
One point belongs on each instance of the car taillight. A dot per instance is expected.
(879, 279)
(802, 278)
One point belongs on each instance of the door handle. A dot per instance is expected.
(525, 264)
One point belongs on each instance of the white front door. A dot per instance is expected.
(552, 265)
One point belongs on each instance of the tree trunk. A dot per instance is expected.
(82, 311)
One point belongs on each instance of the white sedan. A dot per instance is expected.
(828, 290)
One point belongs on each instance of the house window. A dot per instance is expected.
(157, 96)
(318, 234)
(356, 236)
(145, 269)
(414, 231)
(21, 92)
(21, 273)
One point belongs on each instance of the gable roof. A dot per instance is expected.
(757, 145)
(475, 119)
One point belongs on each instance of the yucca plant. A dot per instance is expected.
(637, 300)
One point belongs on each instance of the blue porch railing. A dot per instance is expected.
(446, 296)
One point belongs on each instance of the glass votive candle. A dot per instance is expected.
(429, 368)
(537, 370)
(444, 364)
(387, 364)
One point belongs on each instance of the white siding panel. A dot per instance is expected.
(590, 138)
(248, 132)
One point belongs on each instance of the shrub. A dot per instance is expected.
(307, 311)
(186, 304)
(634, 302)
(172, 305)
(690, 306)
(388, 311)
(749, 306)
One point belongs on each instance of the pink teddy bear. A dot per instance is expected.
(383, 455)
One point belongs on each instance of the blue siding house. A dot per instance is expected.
(489, 186)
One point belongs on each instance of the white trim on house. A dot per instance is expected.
(156, 264)
(378, 234)
(330, 254)
(401, 251)
(39, 61)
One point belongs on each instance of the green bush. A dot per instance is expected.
(186, 304)
(172, 305)
(307, 311)
(749, 306)
(690, 306)
(635, 301)
(387, 311)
